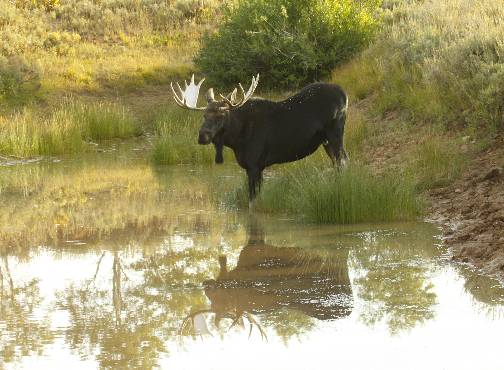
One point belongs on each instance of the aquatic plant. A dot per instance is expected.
(325, 195)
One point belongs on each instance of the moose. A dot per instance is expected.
(262, 132)
(268, 278)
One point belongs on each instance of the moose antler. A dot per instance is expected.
(197, 321)
(231, 98)
(188, 98)
(190, 318)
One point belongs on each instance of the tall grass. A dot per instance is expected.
(326, 195)
(30, 133)
(104, 121)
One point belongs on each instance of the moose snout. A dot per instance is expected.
(204, 137)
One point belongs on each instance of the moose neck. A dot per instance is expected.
(232, 129)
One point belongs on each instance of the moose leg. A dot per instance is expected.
(219, 159)
(335, 138)
(330, 154)
(254, 183)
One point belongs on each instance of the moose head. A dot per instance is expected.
(216, 113)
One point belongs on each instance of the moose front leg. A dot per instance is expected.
(219, 158)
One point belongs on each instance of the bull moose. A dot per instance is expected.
(267, 279)
(262, 132)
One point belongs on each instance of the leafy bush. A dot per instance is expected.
(290, 42)
(15, 75)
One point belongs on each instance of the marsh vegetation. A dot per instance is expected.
(111, 55)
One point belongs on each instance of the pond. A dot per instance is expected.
(108, 262)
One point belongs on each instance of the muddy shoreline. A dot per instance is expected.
(471, 212)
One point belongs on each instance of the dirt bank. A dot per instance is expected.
(471, 212)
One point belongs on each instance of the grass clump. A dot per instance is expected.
(103, 121)
(325, 195)
(289, 42)
(176, 138)
(30, 133)
(356, 195)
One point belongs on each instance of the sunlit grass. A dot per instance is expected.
(102, 121)
(177, 137)
(65, 130)
(437, 62)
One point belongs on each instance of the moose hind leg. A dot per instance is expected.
(254, 184)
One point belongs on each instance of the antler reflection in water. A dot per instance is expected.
(199, 325)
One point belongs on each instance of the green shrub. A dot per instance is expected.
(288, 42)
(16, 75)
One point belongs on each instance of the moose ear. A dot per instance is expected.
(210, 97)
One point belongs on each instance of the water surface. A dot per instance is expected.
(107, 262)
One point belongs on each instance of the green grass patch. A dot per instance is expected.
(324, 195)
(437, 161)
(103, 121)
(30, 132)
(176, 138)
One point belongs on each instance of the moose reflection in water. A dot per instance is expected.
(268, 279)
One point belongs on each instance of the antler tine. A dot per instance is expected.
(253, 321)
(230, 98)
(245, 95)
(191, 317)
(188, 98)
(176, 97)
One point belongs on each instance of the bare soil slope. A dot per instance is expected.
(471, 212)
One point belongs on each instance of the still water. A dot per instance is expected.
(108, 262)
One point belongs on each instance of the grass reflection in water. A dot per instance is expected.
(127, 252)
